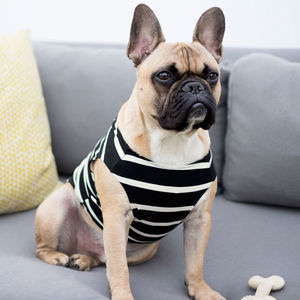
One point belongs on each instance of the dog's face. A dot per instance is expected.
(178, 84)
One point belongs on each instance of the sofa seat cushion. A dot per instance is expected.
(263, 133)
(245, 240)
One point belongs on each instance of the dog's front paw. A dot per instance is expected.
(202, 291)
(82, 262)
(122, 297)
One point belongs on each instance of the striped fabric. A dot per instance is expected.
(161, 196)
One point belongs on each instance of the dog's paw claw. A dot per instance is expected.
(81, 262)
(75, 266)
(67, 265)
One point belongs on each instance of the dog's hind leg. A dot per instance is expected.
(63, 236)
(49, 221)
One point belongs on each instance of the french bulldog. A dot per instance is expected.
(152, 171)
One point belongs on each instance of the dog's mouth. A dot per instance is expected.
(186, 110)
(197, 113)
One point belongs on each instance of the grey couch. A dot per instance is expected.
(84, 86)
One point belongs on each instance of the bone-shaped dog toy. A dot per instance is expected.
(264, 286)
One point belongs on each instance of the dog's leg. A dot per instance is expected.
(117, 217)
(83, 262)
(61, 232)
(48, 221)
(196, 233)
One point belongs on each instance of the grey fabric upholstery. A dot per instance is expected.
(218, 130)
(232, 54)
(84, 87)
(245, 240)
(263, 135)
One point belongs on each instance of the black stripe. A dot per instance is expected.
(138, 242)
(111, 155)
(92, 185)
(155, 216)
(178, 178)
(149, 197)
(97, 211)
(87, 210)
(84, 193)
(100, 148)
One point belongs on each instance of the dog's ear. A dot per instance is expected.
(209, 31)
(145, 34)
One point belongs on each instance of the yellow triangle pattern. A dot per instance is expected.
(27, 166)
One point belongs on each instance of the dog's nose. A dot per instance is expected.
(193, 87)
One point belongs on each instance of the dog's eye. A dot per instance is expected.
(212, 77)
(163, 76)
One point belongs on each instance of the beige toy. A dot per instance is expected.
(264, 286)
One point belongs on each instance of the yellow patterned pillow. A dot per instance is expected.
(27, 167)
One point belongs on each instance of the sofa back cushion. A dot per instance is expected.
(218, 130)
(84, 87)
(263, 134)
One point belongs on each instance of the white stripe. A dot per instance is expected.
(163, 188)
(160, 208)
(130, 238)
(95, 201)
(84, 175)
(118, 146)
(104, 147)
(90, 188)
(98, 150)
(157, 223)
(91, 212)
(86, 180)
(146, 234)
(76, 176)
(140, 161)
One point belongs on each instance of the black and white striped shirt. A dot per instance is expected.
(161, 196)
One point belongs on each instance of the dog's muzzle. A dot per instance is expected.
(191, 104)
